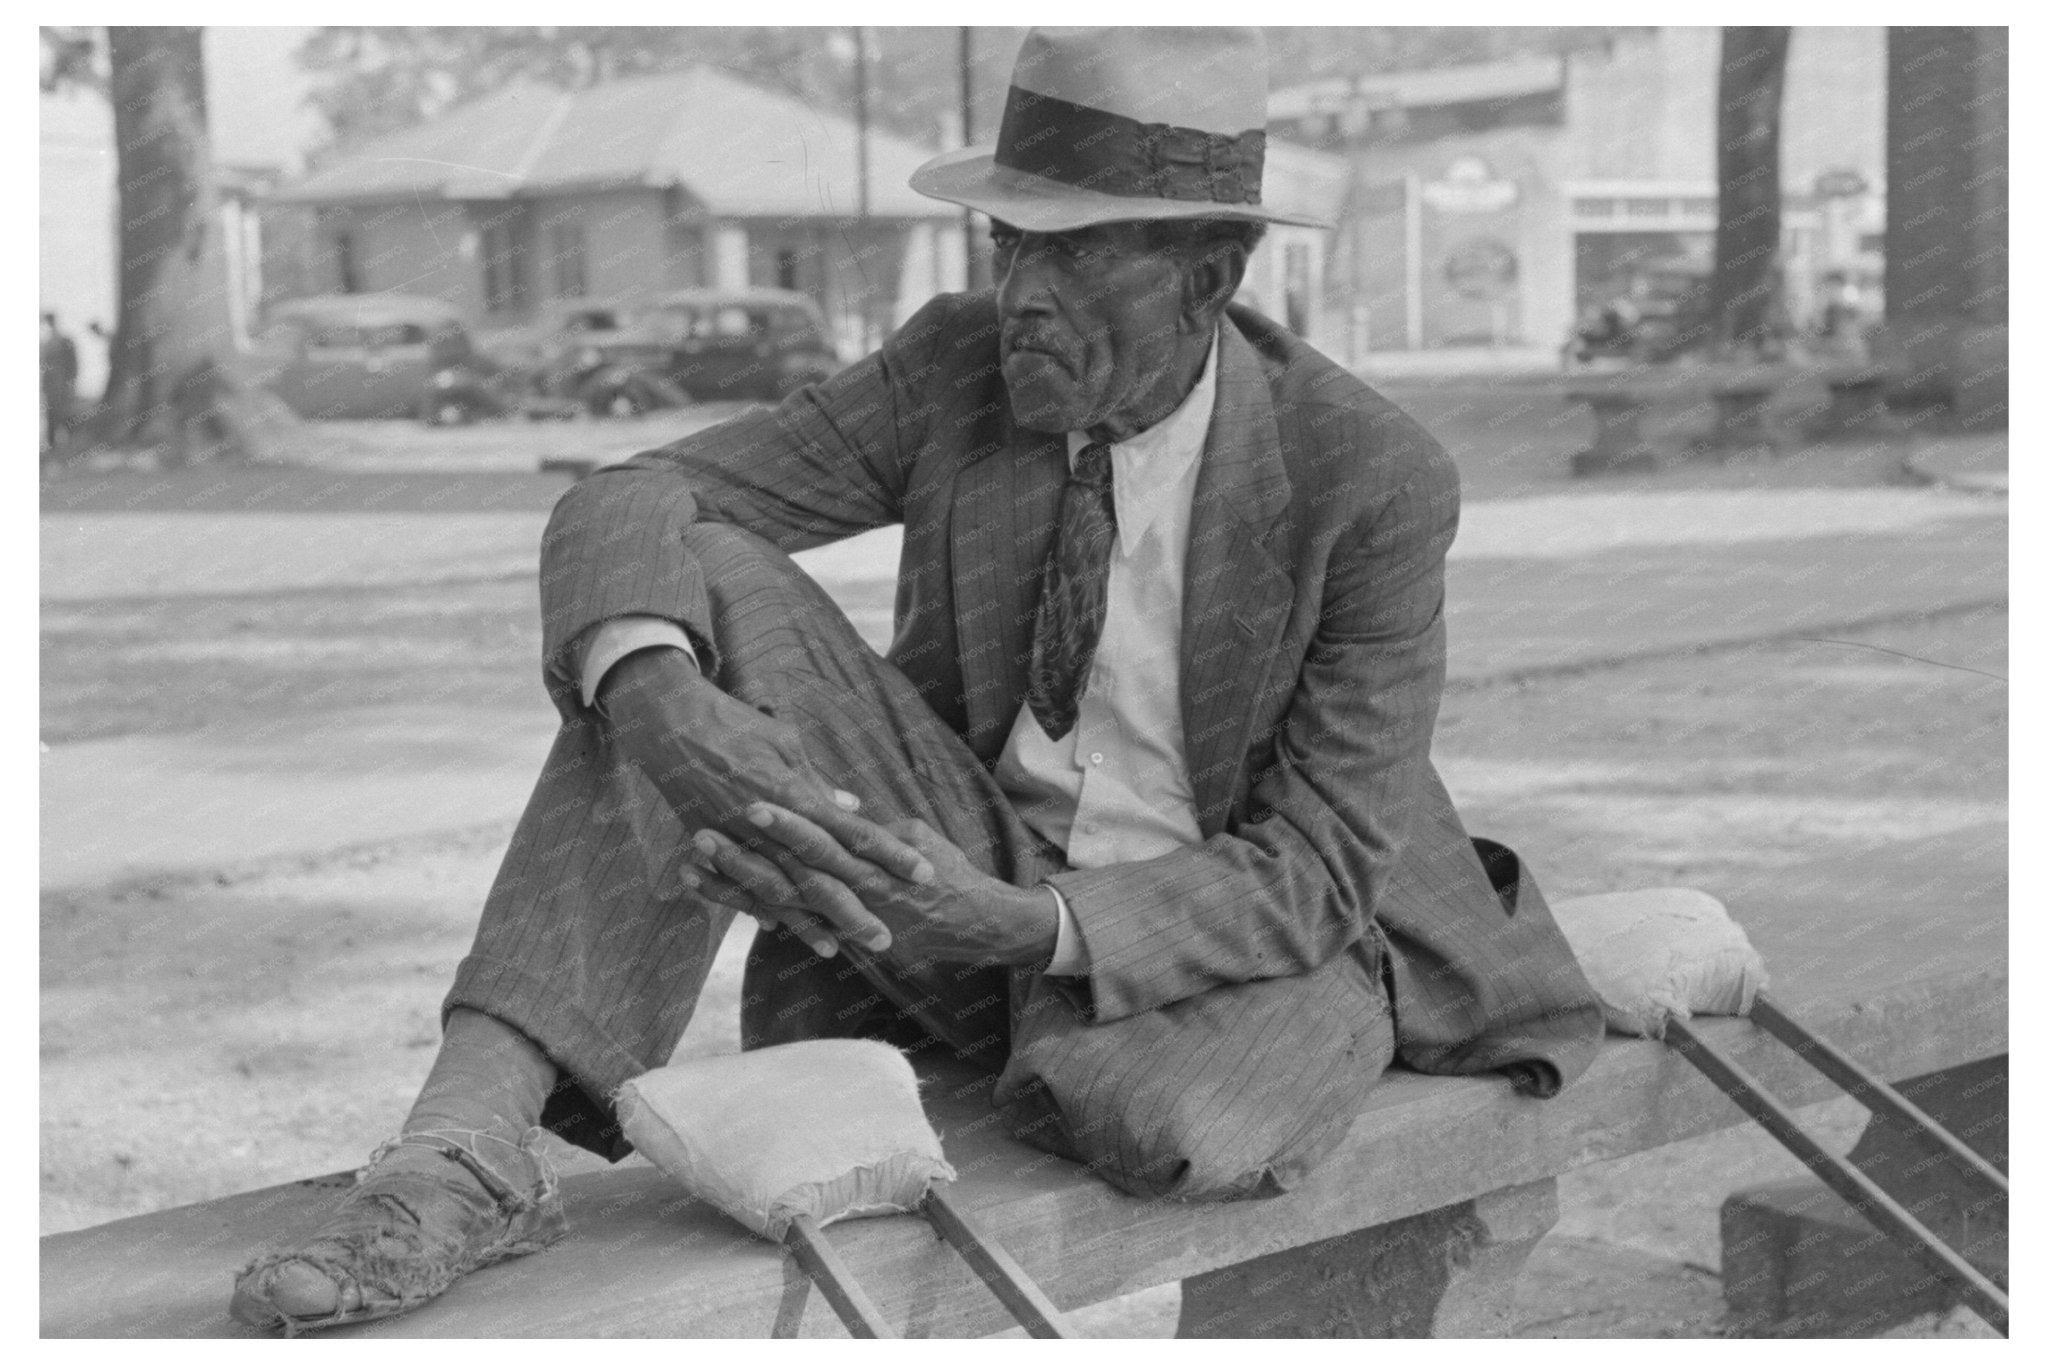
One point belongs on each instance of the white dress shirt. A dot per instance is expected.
(1116, 788)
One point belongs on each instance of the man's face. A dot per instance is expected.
(1091, 323)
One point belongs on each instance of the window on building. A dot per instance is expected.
(346, 340)
(735, 322)
(500, 251)
(395, 334)
(347, 270)
(684, 266)
(785, 268)
(566, 258)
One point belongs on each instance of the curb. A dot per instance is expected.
(1922, 463)
(1568, 668)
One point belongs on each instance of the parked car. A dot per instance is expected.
(380, 355)
(741, 343)
(594, 353)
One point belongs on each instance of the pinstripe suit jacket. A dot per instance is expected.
(1312, 662)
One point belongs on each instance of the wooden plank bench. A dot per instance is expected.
(1618, 407)
(1737, 395)
(1417, 1226)
(1856, 408)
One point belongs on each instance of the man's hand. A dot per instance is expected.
(715, 758)
(960, 915)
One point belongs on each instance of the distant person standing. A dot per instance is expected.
(59, 364)
(1842, 320)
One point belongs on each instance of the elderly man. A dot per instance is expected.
(1138, 811)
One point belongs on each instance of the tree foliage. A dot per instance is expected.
(375, 80)
(1301, 54)
(71, 56)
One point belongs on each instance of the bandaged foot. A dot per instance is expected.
(426, 1211)
(465, 1184)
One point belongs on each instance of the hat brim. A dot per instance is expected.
(971, 178)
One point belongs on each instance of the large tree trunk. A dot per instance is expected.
(1744, 293)
(170, 381)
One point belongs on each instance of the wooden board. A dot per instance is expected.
(1899, 957)
(1682, 380)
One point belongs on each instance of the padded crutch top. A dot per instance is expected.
(830, 1129)
(1651, 955)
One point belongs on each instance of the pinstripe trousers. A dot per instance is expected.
(591, 947)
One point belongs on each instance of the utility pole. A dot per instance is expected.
(860, 105)
(977, 273)
(860, 108)
(1411, 193)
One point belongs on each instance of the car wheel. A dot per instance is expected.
(449, 412)
(608, 400)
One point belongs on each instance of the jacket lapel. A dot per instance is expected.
(1237, 594)
(1005, 513)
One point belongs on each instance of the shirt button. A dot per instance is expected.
(1088, 827)
(1095, 758)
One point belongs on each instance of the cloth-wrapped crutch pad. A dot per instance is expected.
(1654, 954)
(831, 1128)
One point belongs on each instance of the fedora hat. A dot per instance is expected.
(1107, 125)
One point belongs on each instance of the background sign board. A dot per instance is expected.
(1483, 268)
(1840, 184)
(1469, 186)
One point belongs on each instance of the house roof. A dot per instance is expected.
(1421, 89)
(734, 147)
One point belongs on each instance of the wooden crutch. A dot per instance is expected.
(787, 1139)
(1885, 1213)
(1657, 958)
(994, 1266)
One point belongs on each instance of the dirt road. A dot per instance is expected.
(231, 1027)
(207, 1037)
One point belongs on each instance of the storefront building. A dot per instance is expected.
(1492, 205)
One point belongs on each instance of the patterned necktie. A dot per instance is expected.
(1071, 606)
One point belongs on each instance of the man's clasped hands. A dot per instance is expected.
(775, 841)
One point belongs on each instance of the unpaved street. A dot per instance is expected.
(275, 791)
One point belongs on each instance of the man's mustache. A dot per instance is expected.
(1059, 348)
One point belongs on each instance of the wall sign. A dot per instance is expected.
(1483, 268)
(1469, 186)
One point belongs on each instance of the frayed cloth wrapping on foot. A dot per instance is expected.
(831, 1129)
(1651, 955)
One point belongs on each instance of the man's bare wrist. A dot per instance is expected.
(1040, 940)
(654, 671)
